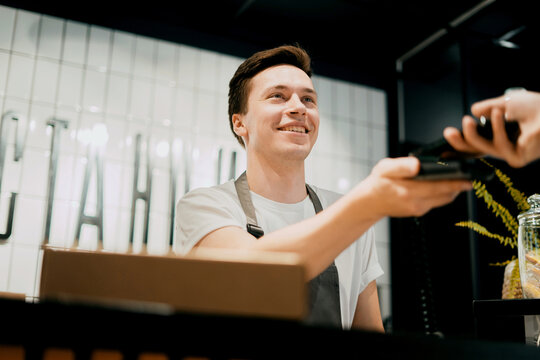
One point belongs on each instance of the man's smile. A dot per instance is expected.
(296, 129)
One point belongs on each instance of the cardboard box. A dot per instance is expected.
(208, 281)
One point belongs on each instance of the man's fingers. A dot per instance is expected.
(404, 167)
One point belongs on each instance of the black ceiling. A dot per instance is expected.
(355, 39)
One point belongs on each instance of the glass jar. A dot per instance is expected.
(529, 248)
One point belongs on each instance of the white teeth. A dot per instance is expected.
(298, 129)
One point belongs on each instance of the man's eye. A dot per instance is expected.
(277, 96)
(309, 99)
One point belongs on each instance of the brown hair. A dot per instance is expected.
(239, 85)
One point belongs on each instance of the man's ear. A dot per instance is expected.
(238, 125)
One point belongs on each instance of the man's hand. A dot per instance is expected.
(395, 193)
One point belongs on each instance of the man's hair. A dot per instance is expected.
(239, 85)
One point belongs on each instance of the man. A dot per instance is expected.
(273, 113)
(518, 105)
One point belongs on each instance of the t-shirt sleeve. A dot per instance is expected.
(202, 211)
(371, 269)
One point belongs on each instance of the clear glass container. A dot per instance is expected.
(529, 248)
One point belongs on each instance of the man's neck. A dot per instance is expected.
(281, 182)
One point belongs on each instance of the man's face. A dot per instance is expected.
(282, 116)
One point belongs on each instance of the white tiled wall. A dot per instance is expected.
(168, 92)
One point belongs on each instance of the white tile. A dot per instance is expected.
(141, 99)
(112, 184)
(98, 48)
(7, 22)
(5, 261)
(19, 108)
(75, 42)
(64, 178)
(158, 240)
(160, 191)
(68, 136)
(185, 108)
(122, 52)
(382, 231)
(20, 77)
(70, 87)
(35, 168)
(166, 61)
(359, 106)
(208, 70)
(229, 152)
(59, 217)
(4, 64)
(110, 222)
(26, 32)
(361, 140)
(380, 144)
(117, 135)
(121, 230)
(86, 125)
(160, 147)
(138, 228)
(133, 129)
(144, 62)
(50, 37)
(88, 237)
(342, 106)
(39, 136)
(385, 298)
(227, 67)
(343, 145)
(204, 156)
(324, 144)
(28, 207)
(323, 86)
(117, 95)
(325, 173)
(222, 127)
(94, 91)
(383, 254)
(357, 172)
(343, 180)
(378, 115)
(11, 176)
(126, 194)
(23, 269)
(163, 105)
(205, 113)
(45, 81)
(188, 65)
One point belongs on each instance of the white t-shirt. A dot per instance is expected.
(204, 210)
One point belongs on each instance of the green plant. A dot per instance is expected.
(512, 285)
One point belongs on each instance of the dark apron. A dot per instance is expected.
(324, 309)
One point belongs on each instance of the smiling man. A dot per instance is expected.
(273, 113)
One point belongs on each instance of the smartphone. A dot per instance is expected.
(466, 169)
(441, 149)
(439, 160)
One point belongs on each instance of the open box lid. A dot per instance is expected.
(208, 281)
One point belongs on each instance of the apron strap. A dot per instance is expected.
(242, 189)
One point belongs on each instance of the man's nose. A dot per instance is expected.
(296, 106)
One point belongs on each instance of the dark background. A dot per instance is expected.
(433, 59)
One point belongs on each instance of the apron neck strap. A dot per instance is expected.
(242, 189)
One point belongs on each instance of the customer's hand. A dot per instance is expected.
(519, 105)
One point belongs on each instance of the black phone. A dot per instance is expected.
(439, 160)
